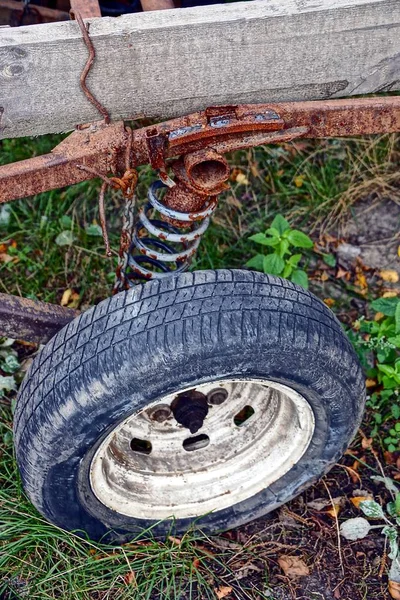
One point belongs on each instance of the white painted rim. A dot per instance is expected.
(236, 463)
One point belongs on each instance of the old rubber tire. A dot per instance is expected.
(157, 338)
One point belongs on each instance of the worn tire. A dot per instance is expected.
(141, 344)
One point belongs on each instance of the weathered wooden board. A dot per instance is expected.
(168, 63)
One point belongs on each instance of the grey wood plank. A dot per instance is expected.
(168, 63)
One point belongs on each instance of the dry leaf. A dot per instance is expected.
(341, 273)
(379, 316)
(390, 294)
(334, 511)
(299, 180)
(130, 578)
(242, 179)
(196, 563)
(6, 258)
(175, 540)
(293, 566)
(360, 281)
(389, 275)
(369, 384)
(394, 589)
(398, 251)
(223, 591)
(66, 297)
(357, 499)
(329, 302)
(324, 276)
(366, 442)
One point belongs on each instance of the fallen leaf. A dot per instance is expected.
(242, 179)
(357, 499)
(66, 297)
(6, 258)
(389, 275)
(369, 384)
(174, 540)
(196, 563)
(223, 591)
(390, 294)
(130, 578)
(293, 566)
(321, 503)
(394, 589)
(324, 276)
(299, 180)
(334, 511)
(329, 302)
(341, 273)
(367, 442)
(361, 281)
(355, 529)
(379, 316)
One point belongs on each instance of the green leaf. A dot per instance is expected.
(273, 264)
(273, 232)
(329, 259)
(389, 483)
(287, 271)
(7, 383)
(397, 318)
(391, 534)
(294, 259)
(10, 364)
(395, 340)
(355, 529)
(257, 262)
(93, 230)
(299, 239)
(65, 238)
(387, 369)
(66, 222)
(282, 248)
(387, 306)
(397, 504)
(372, 509)
(395, 408)
(300, 277)
(261, 238)
(280, 224)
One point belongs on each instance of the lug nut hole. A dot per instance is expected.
(243, 416)
(197, 442)
(141, 446)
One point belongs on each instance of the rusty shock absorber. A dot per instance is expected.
(169, 227)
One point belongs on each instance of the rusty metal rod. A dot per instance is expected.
(87, 9)
(31, 320)
(225, 129)
(156, 4)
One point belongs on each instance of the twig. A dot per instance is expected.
(337, 526)
(92, 55)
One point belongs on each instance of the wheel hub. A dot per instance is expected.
(202, 449)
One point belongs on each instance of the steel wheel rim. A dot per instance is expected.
(156, 469)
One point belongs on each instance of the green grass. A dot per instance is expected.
(313, 184)
(40, 561)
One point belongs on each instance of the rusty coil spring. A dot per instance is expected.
(158, 252)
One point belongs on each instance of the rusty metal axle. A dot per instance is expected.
(224, 129)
